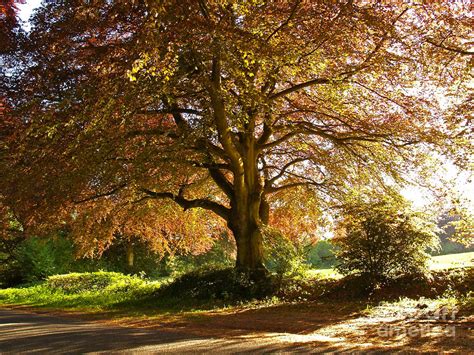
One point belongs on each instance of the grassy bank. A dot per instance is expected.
(328, 312)
(125, 295)
(96, 292)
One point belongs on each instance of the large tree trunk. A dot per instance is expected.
(247, 187)
(246, 225)
(249, 242)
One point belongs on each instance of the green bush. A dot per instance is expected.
(99, 290)
(227, 284)
(115, 258)
(34, 259)
(40, 258)
(383, 239)
(284, 256)
(11, 236)
(10, 268)
(91, 281)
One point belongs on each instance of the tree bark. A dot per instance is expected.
(249, 240)
(246, 225)
(130, 255)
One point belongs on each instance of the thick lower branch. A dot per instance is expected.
(215, 207)
(221, 181)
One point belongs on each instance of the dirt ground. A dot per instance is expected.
(318, 326)
(337, 326)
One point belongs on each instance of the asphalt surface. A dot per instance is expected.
(23, 332)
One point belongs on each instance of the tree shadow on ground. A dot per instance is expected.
(327, 326)
(310, 327)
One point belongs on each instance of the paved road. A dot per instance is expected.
(26, 332)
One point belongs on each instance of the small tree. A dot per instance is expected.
(383, 238)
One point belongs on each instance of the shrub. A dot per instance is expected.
(225, 284)
(41, 257)
(10, 268)
(284, 256)
(115, 258)
(11, 236)
(383, 239)
(25, 260)
(35, 258)
(98, 290)
(89, 281)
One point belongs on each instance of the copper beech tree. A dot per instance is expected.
(9, 25)
(235, 108)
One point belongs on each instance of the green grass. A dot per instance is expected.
(452, 261)
(440, 262)
(122, 291)
(112, 293)
(132, 295)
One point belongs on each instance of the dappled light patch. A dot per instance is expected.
(334, 326)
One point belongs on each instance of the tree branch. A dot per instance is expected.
(451, 49)
(225, 134)
(280, 140)
(221, 181)
(301, 86)
(266, 134)
(186, 204)
(204, 145)
(272, 189)
(284, 168)
(286, 22)
(171, 111)
(153, 132)
(342, 77)
(99, 195)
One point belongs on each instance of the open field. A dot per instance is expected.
(439, 262)
(452, 261)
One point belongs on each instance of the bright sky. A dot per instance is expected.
(420, 197)
(464, 184)
(27, 9)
